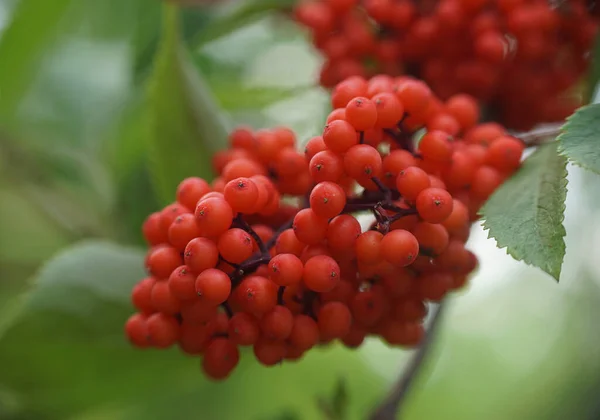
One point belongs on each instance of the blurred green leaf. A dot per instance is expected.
(23, 44)
(67, 353)
(580, 138)
(235, 15)
(526, 213)
(335, 407)
(20, 222)
(185, 124)
(70, 335)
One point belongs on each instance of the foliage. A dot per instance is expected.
(102, 112)
(526, 213)
(581, 137)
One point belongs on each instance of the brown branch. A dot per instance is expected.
(542, 134)
(390, 407)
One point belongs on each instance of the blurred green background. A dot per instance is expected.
(104, 106)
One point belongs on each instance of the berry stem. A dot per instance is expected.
(391, 406)
(227, 308)
(307, 303)
(543, 134)
(280, 293)
(239, 220)
(278, 232)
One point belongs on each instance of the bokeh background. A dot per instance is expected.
(77, 179)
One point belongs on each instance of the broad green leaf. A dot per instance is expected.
(20, 221)
(33, 28)
(335, 405)
(594, 71)
(235, 15)
(526, 214)
(75, 316)
(185, 124)
(67, 353)
(580, 138)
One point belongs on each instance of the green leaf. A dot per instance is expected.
(33, 28)
(185, 124)
(67, 353)
(236, 15)
(335, 406)
(75, 315)
(525, 215)
(580, 138)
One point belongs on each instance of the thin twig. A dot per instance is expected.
(542, 134)
(390, 407)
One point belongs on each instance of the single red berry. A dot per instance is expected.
(213, 286)
(190, 191)
(220, 358)
(361, 113)
(399, 247)
(334, 320)
(163, 330)
(321, 273)
(137, 331)
(243, 329)
(214, 216)
(285, 269)
(182, 283)
(434, 205)
(327, 199)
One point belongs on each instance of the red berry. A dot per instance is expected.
(361, 113)
(220, 358)
(213, 286)
(434, 205)
(321, 273)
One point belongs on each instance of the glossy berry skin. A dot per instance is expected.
(287, 250)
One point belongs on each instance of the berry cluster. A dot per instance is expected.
(521, 57)
(271, 254)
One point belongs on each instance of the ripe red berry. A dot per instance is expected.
(305, 332)
(321, 273)
(141, 295)
(327, 199)
(162, 260)
(201, 254)
(339, 136)
(277, 324)
(235, 245)
(334, 320)
(411, 181)
(434, 205)
(213, 286)
(309, 227)
(435, 145)
(285, 269)
(361, 113)
(190, 191)
(363, 162)
(137, 331)
(242, 195)
(163, 330)
(243, 329)
(182, 230)
(399, 247)
(256, 294)
(182, 283)
(214, 216)
(220, 358)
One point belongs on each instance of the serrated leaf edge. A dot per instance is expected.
(509, 251)
(561, 150)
